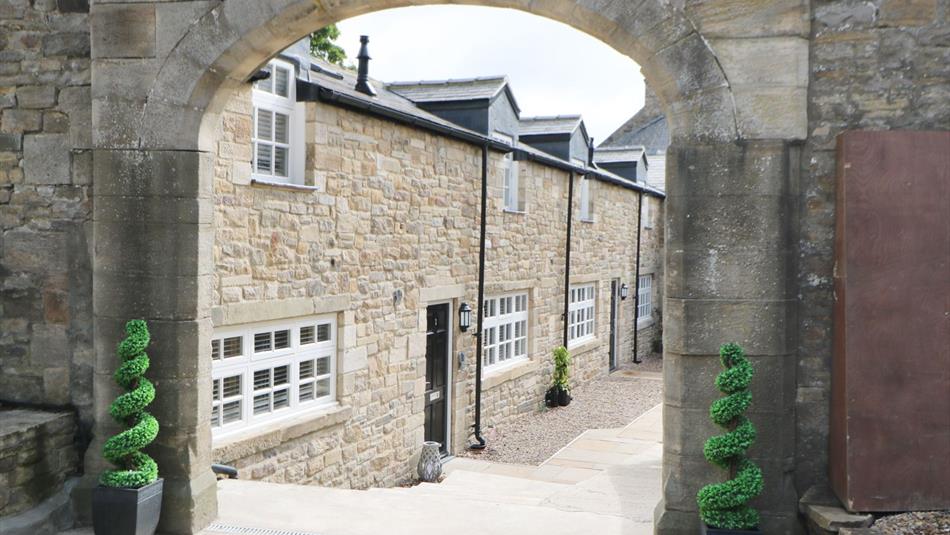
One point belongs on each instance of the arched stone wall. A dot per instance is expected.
(733, 76)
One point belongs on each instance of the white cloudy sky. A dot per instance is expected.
(554, 69)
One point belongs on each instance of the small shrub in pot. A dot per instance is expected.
(128, 500)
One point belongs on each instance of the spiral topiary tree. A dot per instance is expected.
(134, 468)
(724, 505)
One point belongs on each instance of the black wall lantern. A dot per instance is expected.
(465, 317)
(624, 291)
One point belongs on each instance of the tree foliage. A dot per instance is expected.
(322, 45)
(724, 505)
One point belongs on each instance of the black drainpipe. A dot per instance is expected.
(481, 306)
(636, 286)
(567, 255)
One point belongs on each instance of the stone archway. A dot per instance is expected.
(734, 86)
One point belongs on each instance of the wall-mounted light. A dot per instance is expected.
(465, 317)
(624, 291)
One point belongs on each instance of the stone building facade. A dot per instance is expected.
(107, 103)
(385, 222)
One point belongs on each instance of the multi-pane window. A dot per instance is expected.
(273, 99)
(266, 371)
(587, 211)
(644, 299)
(580, 327)
(505, 329)
(511, 190)
(646, 217)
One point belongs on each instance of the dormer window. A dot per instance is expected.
(277, 134)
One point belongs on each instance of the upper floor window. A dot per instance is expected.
(275, 133)
(646, 218)
(587, 209)
(505, 330)
(271, 370)
(512, 190)
(580, 327)
(644, 299)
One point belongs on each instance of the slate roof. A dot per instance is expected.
(454, 90)
(654, 135)
(343, 81)
(555, 124)
(631, 153)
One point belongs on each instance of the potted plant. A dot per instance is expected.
(723, 507)
(128, 500)
(562, 375)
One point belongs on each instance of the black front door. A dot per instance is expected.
(614, 290)
(437, 362)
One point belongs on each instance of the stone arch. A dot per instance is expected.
(162, 71)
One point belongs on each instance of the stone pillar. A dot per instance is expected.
(729, 269)
(153, 260)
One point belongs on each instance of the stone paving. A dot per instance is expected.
(606, 481)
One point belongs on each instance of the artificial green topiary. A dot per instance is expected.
(135, 469)
(723, 505)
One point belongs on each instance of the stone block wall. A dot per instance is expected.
(37, 455)
(46, 353)
(388, 220)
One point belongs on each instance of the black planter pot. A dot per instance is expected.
(117, 511)
(564, 398)
(707, 530)
(551, 397)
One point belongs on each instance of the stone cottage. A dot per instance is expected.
(347, 237)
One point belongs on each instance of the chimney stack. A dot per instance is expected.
(362, 74)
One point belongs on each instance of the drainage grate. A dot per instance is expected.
(240, 530)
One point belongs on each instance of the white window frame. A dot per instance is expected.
(265, 99)
(582, 314)
(586, 207)
(296, 356)
(505, 330)
(645, 300)
(511, 185)
(647, 216)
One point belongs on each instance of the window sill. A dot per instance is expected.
(516, 212)
(588, 220)
(643, 324)
(507, 372)
(583, 346)
(282, 185)
(272, 434)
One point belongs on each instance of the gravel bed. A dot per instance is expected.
(923, 523)
(604, 403)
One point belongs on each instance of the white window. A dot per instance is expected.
(505, 330)
(580, 327)
(271, 370)
(511, 191)
(277, 133)
(644, 300)
(646, 218)
(587, 213)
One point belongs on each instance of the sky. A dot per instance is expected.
(553, 68)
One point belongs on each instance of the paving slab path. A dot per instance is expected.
(605, 482)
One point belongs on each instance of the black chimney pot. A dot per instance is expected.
(362, 74)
